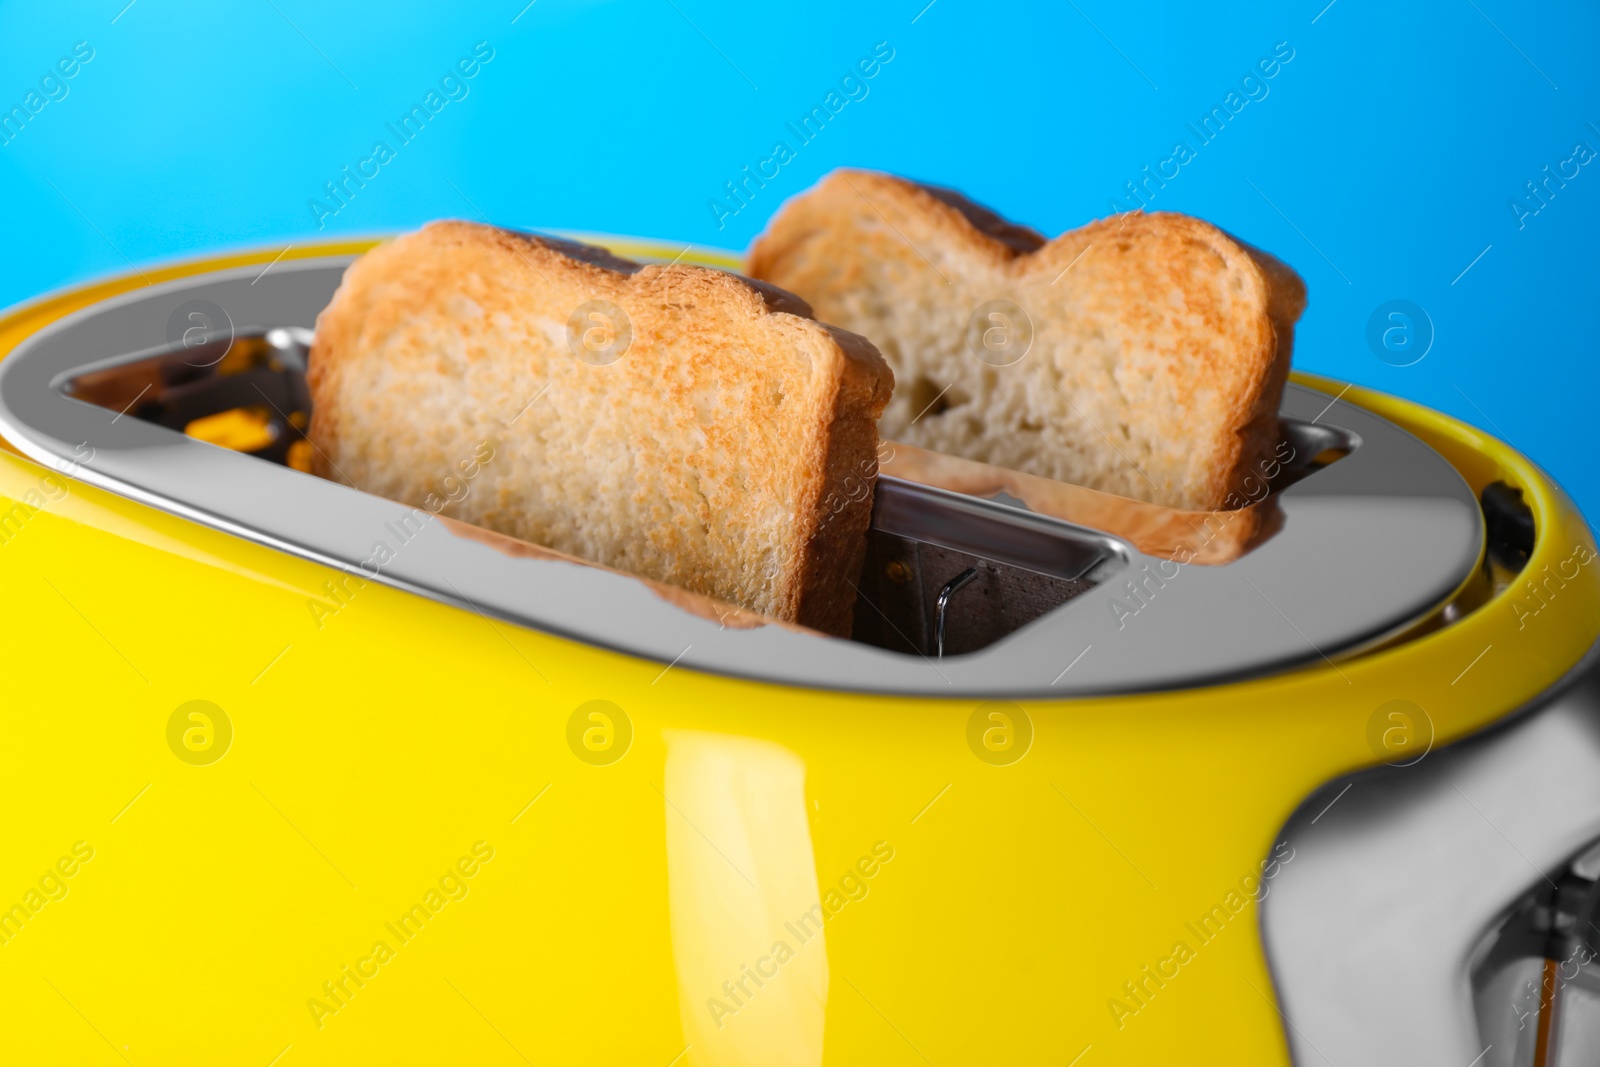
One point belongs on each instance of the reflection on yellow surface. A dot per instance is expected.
(747, 936)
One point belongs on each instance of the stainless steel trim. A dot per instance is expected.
(999, 532)
(1373, 930)
(1368, 545)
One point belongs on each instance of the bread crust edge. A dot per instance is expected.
(1254, 429)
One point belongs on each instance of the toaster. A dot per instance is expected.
(296, 774)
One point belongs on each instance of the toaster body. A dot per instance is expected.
(296, 775)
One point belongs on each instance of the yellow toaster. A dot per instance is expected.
(297, 775)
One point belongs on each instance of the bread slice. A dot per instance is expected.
(1159, 344)
(677, 422)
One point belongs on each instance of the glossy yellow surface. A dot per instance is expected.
(590, 874)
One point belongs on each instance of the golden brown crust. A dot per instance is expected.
(1161, 344)
(843, 495)
(697, 456)
(1018, 238)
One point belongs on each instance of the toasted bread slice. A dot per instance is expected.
(1147, 359)
(677, 422)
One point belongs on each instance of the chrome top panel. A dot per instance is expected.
(1369, 544)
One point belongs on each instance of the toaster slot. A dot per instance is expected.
(1311, 447)
(940, 564)
(900, 591)
(248, 392)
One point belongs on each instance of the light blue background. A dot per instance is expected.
(1380, 165)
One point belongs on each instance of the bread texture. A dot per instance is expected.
(677, 422)
(1143, 355)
